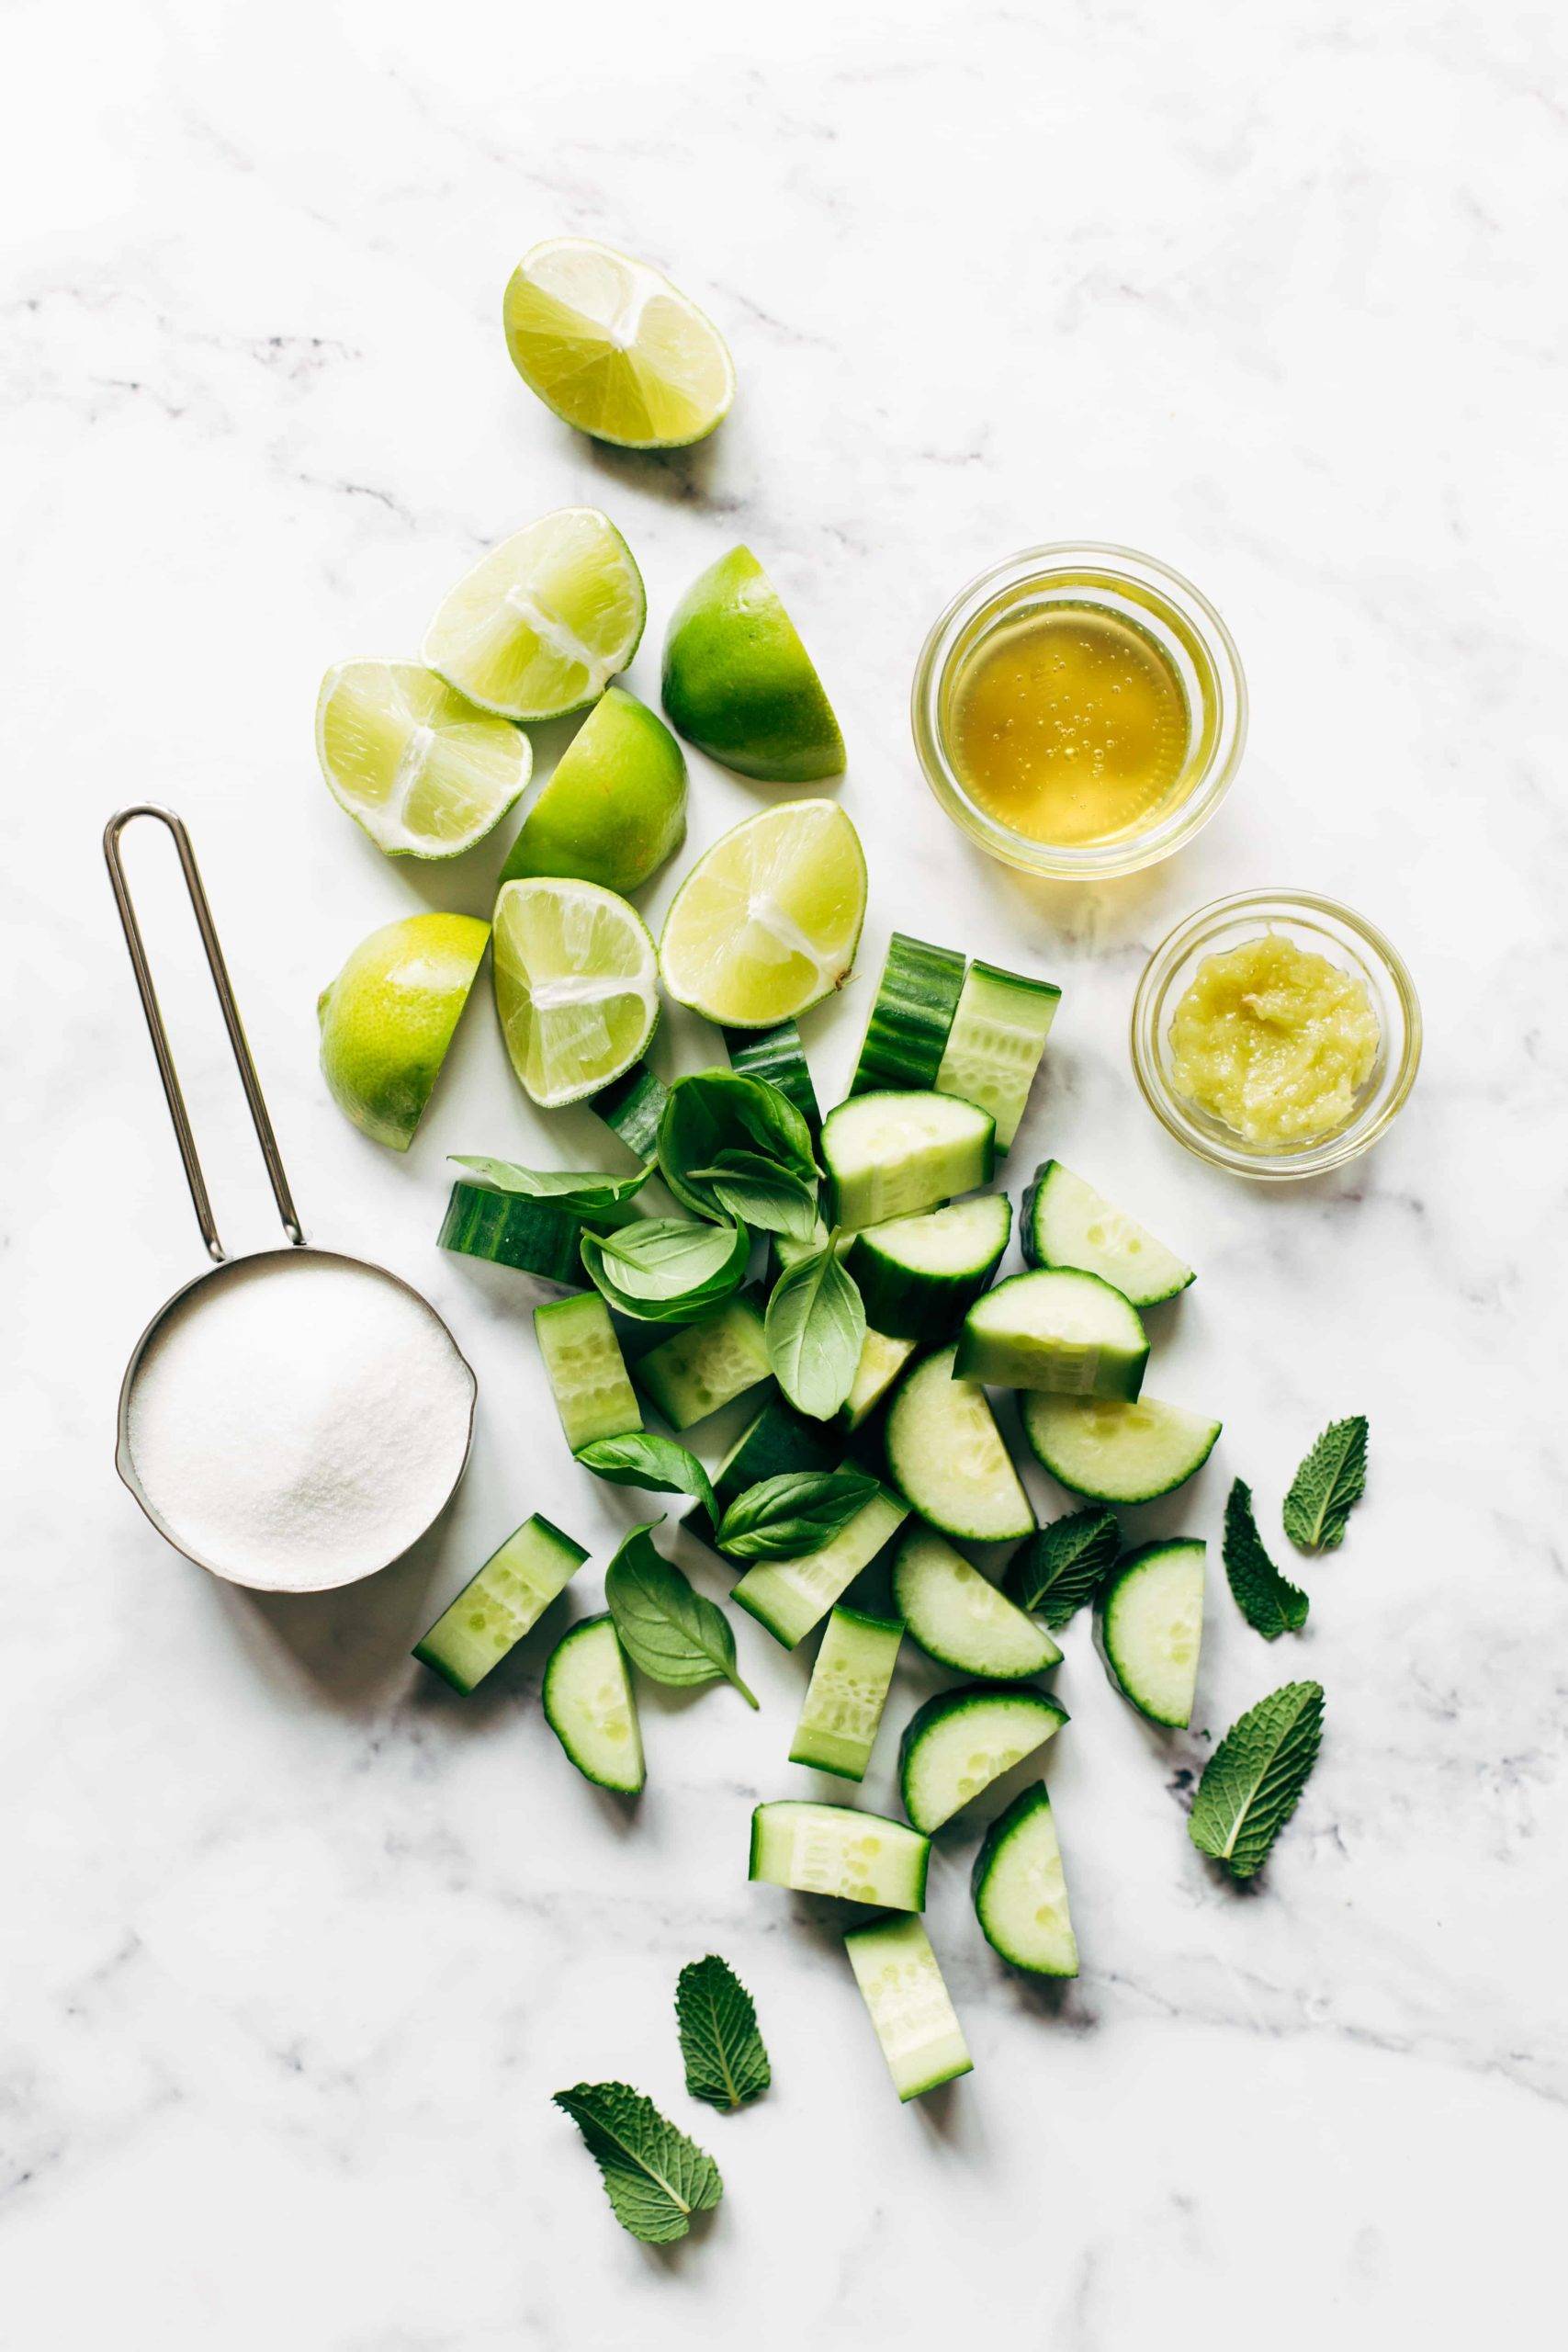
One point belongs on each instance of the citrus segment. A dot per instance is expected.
(423, 771)
(542, 623)
(741, 685)
(575, 986)
(614, 348)
(388, 1017)
(615, 808)
(768, 920)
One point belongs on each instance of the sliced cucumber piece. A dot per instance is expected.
(1021, 1895)
(835, 1849)
(633, 1105)
(919, 1275)
(532, 1236)
(778, 1056)
(1066, 1222)
(894, 1155)
(880, 1361)
(779, 1439)
(947, 1458)
(912, 1012)
(846, 1694)
(959, 1618)
(1067, 1332)
(1150, 1614)
(585, 1368)
(589, 1706)
(791, 1595)
(961, 1741)
(902, 1987)
(706, 1365)
(994, 1047)
(1114, 1452)
(501, 1603)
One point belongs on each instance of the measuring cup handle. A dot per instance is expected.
(220, 981)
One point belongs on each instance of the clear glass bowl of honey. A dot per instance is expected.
(1080, 710)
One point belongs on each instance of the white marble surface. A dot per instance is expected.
(297, 1946)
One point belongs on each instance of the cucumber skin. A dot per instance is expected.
(632, 1106)
(615, 1788)
(1096, 1494)
(778, 1056)
(906, 1033)
(979, 976)
(1126, 1568)
(1035, 1260)
(937, 1710)
(908, 1306)
(531, 1236)
(978, 1358)
(851, 1813)
(996, 1838)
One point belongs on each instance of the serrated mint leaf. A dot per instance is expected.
(654, 2176)
(674, 1635)
(726, 2063)
(814, 1331)
(798, 1511)
(1059, 1568)
(659, 1464)
(1330, 1481)
(1269, 1602)
(578, 1189)
(1252, 1781)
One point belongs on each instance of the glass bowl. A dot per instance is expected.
(1163, 606)
(1325, 927)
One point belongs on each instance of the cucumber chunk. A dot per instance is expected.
(961, 1741)
(894, 1155)
(585, 1368)
(1021, 1895)
(880, 1361)
(1150, 1615)
(910, 1016)
(994, 1047)
(1066, 1222)
(778, 1056)
(501, 1603)
(846, 1694)
(947, 1459)
(589, 1706)
(919, 1275)
(1067, 1332)
(835, 1849)
(1113, 1452)
(959, 1618)
(706, 1365)
(632, 1105)
(903, 1989)
(791, 1595)
(531, 1236)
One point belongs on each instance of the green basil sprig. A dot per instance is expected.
(798, 1511)
(584, 1189)
(767, 1198)
(716, 1112)
(642, 1458)
(666, 1269)
(814, 1331)
(674, 1635)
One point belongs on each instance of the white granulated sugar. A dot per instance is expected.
(300, 1421)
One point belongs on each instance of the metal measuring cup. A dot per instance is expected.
(224, 1268)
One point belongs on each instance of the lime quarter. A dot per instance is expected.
(738, 683)
(423, 771)
(613, 348)
(575, 986)
(768, 920)
(615, 808)
(387, 1019)
(542, 624)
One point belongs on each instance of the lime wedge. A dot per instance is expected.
(387, 1019)
(768, 920)
(542, 624)
(424, 771)
(615, 808)
(614, 348)
(740, 684)
(575, 986)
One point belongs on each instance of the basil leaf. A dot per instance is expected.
(814, 1330)
(769, 1199)
(666, 1269)
(585, 1189)
(798, 1510)
(717, 1110)
(638, 1458)
(673, 1633)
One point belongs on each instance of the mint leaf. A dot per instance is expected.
(769, 1199)
(1253, 1779)
(654, 2176)
(580, 1190)
(814, 1330)
(798, 1510)
(674, 1635)
(1269, 1602)
(1330, 1481)
(1059, 1568)
(726, 2063)
(666, 1269)
(641, 1459)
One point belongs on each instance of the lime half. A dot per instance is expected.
(575, 986)
(615, 808)
(768, 920)
(387, 1019)
(614, 348)
(543, 623)
(424, 771)
(738, 683)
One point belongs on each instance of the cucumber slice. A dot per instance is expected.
(894, 1155)
(914, 2021)
(706, 1365)
(1066, 1222)
(1021, 1895)
(961, 1741)
(880, 1361)
(994, 1047)
(947, 1458)
(791, 1595)
(1067, 1332)
(1150, 1621)
(778, 1056)
(1114, 1452)
(779, 1438)
(835, 1849)
(585, 1368)
(916, 999)
(919, 1275)
(846, 1694)
(633, 1105)
(532, 1236)
(959, 1618)
(501, 1603)
(589, 1706)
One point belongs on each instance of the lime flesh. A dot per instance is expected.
(768, 920)
(741, 685)
(575, 986)
(614, 348)
(388, 1017)
(542, 623)
(414, 762)
(615, 808)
